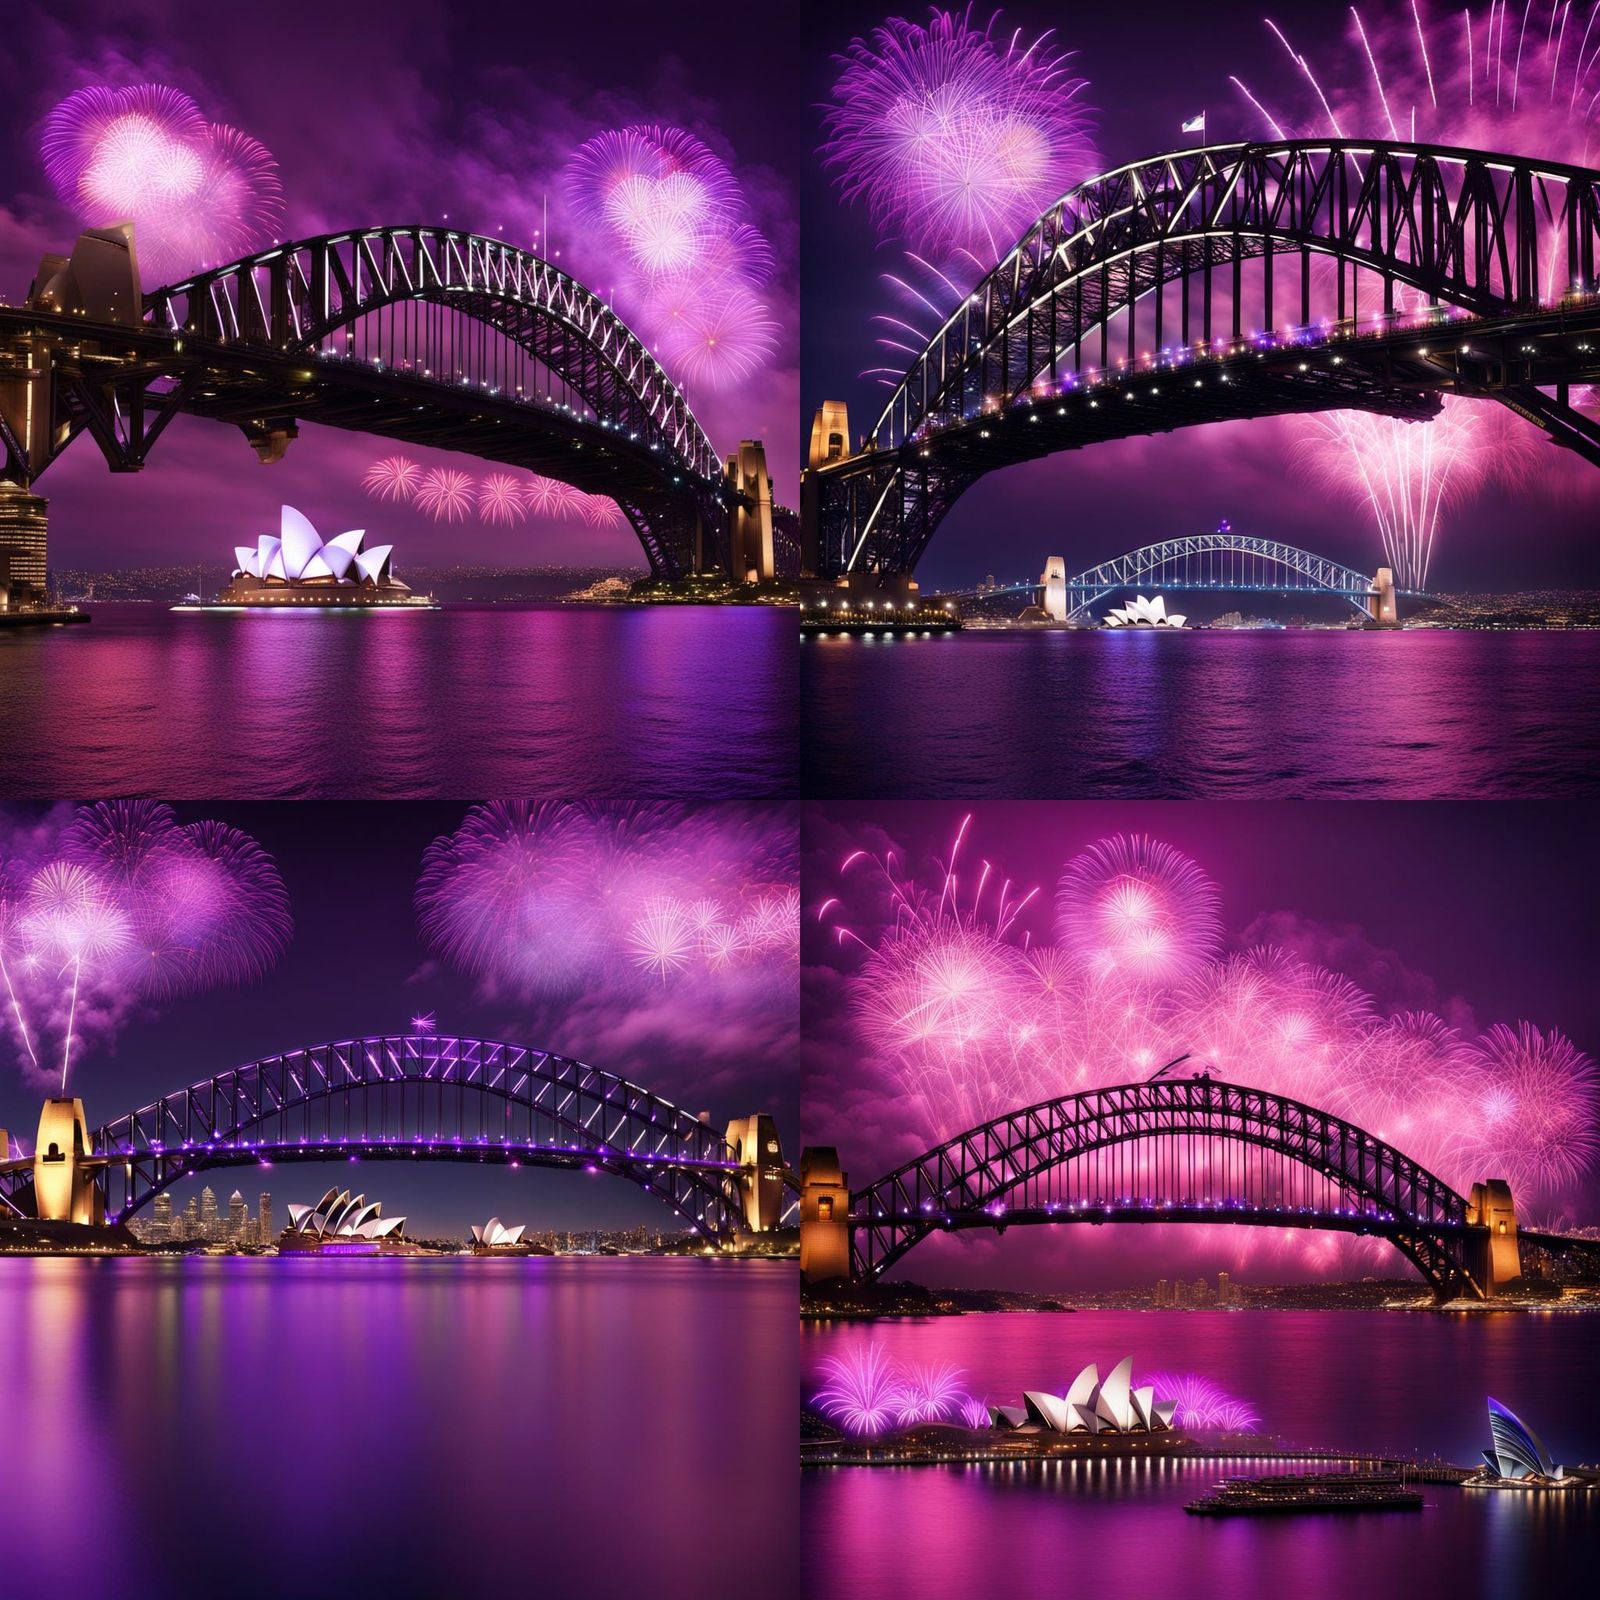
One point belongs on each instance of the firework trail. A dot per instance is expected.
(545, 898)
(199, 193)
(446, 495)
(1487, 79)
(548, 497)
(929, 1392)
(121, 905)
(955, 137)
(861, 1392)
(670, 212)
(393, 478)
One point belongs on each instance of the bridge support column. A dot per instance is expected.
(63, 1189)
(750, 556)
(755, 1138)
(1494, 1257)
(824, 1216)
(1382, 605)
(1055, 588)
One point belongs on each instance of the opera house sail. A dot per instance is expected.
(1091, 1405)
(296, 568)
(341, 1223)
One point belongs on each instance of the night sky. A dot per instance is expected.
(1480, 912)
(1151, 67)
(381, 113)
(357, 966)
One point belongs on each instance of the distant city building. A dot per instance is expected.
(264, 1218)
(161, 1217)
(208, 1212)
(1163, 1292)
(238, 1217)
(191, 1218)
(1224, 1289)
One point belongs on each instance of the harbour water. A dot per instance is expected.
(397, 1427)
(683, 702)
(1380, 1381)
(1424, 714)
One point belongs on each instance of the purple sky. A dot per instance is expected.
(1480, 912)
(356, 965)
(1150, 68)
(397, 112)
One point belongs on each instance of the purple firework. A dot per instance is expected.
(862, 1390)
(1202, 1404)
(955, 137)
(199, 193)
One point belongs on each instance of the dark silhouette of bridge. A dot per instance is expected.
(1233, 281)
(1223, 562)
(406, 1097)
(1169, 1150)
(424, 335)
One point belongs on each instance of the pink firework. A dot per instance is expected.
(1202, 1404)
(393, 478)
(1535, 1110)
(861, 1391)
(1133, 905)
(721, 338)
(548, 497)
(1497, 77)
(663, 938)
(598, 510)
(500, 499)
(928, 1392)
(974, 1412)
(446, 495)
(199, 193)
(956, 136)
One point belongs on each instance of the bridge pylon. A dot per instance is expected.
(1493, 1256)
(1054, 580)
(64, 1187)
(750, 552)
(754, 1139)
(1382, 604)
(824, 1216)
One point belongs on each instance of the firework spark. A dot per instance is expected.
(862, 1390)
(501, 499)
(1202, 1404)
(393, 478)
(199, 193)
(446, 495)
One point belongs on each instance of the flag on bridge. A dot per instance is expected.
(1196, 124)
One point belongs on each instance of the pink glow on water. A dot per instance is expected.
(199, 193)
(956, 135)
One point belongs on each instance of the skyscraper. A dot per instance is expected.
(23, 525)
(191, 1217)
(161, 1217)
(264, 1218)
(238, 1217)
(208, 1213)
(1224, 1289)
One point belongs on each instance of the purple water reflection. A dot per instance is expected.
(398, 1427)
(691, 702)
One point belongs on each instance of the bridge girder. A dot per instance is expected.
(1012, 374)
(974, 1179)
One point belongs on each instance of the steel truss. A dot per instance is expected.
(1186, 1149)
(1164, 269)
(411, 1097)
(423, 335)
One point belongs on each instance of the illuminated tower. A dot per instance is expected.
(750, 532)
(208, 1212)
(1055, 588)
(824, 1216)
(264, 1218)
(755, 1139)
(238, 1216)
(1382, 605)
(161, 1216)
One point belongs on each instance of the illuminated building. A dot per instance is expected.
(23, 530)
(296, 568)
(264, 1218)
(339, 1220)
(1517, 1455)
(1092, 1406)
(1143, 613)
(238, 1216)
(495, 1238)
(208, 1212)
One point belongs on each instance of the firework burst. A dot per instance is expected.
(955, 136)
(1202, 1404)
(861, 1391)
(393, 478)
(199, 193)
(446, 495)
(501, 499)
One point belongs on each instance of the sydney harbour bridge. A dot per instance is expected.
(424, 335)
(1227, 282)
(1174, 1149)
(406, 1097)
(1219, 563)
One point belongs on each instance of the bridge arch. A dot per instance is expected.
(1220, 561)
(1185, 251)
(1003, 1172)
(425, 1097)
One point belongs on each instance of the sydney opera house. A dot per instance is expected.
(494, 1238)
(1091, 1406)
(1143, 613)
(342, 1223)
(1517, 1456)
(296, 567)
